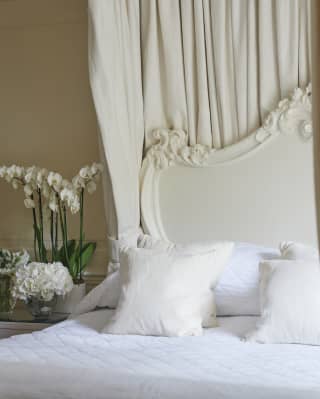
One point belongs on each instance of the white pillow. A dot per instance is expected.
(290, 301)
(165, 293)
(237, 292)
(296, 251)
(107, 293)
(104, 295)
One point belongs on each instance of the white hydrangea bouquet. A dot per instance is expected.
(50, 196)
(42, 281)
(39, 284)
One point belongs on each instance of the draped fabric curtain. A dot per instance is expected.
(214, 68)
(115, 77)
(316, 103)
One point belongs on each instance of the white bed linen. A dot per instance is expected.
(73, 360)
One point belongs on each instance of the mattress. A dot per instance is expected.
(73, 360)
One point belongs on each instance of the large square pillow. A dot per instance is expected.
(290, 303)
(166, 293)
(107, 293)
(237, 292)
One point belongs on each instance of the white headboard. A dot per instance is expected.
(258, 190)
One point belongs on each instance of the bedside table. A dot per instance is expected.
(21, 322)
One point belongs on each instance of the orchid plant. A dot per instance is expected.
(50, 197)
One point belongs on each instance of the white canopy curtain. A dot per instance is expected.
(214, 68)
(115, 77)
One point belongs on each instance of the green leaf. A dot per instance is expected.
(71, 247)
(87, 253)
(71, 263)
(73, 250)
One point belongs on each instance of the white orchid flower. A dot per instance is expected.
(66, 184)
(30, 175)
(65, 194)
(3, 171)
(15, 184)
(91, 187)
(75, 205)
(10, 174)
(42, 177)
(85, 172)
(28, 190)
(19, 171)
(78, 182)
(29, 203)
(54, 180)
(96, 168)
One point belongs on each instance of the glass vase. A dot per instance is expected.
(7, 301)
(41, 310)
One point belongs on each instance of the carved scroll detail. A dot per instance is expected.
(292, 115)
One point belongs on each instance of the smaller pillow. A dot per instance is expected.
(104, 295)
(165, 293)
(296, 251)
(237, 292)
(290, 303)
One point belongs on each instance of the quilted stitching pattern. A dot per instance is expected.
(218, 363)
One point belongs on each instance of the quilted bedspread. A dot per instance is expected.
(73, 360)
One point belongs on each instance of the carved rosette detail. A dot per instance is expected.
(170, 147)
(292, 115)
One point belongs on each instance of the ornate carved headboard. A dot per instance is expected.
(258, 190)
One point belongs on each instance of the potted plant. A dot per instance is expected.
(50, 198)
(9, 262)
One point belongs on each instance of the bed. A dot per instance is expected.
(184, 197)
(72, 360)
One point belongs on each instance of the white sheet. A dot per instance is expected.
(73, 360)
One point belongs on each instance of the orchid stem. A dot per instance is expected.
(81, 235)
(65, 221)
(56, 235)
(43, 255)
(63, 232)
(53, 255)
(35, 240)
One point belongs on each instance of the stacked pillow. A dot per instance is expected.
(209, 258)
(168, 292)
(237, 292)
(163, 288)
(290, 297)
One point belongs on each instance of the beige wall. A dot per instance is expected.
(46, 111)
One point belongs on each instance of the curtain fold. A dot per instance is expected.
(217, 68)
(115, 78)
